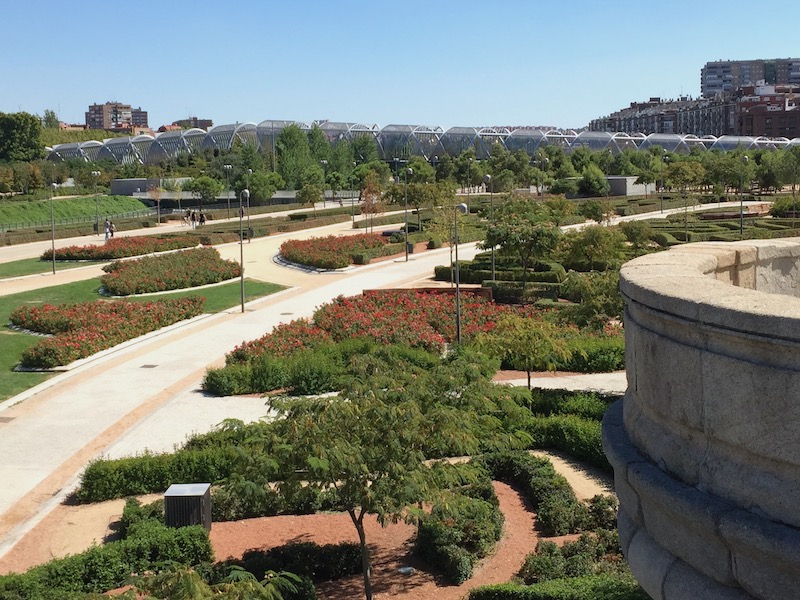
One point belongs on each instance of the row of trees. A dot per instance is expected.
(299, 158)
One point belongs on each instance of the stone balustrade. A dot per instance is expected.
(705, 444)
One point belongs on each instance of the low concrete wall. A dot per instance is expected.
(706, 443)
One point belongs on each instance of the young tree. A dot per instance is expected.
(204, 188)
(50, 119)
(20, 137)
(371, 197)
(526, 344)
(594, 244)
(310, 194)
(524, 228)
(371, 445)
(596, 298)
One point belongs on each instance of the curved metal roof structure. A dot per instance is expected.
(397, 141)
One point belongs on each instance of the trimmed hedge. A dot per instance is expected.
(319, 563)
(106, 567)
(596, 354)
(457, 533)
(558, 509)
(592, 587)
(580, 438)
(152, 473)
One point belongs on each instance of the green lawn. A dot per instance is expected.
(13, 343)
(83, 208)
(34, 266)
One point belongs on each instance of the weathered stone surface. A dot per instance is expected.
(683, 582)
(708, 455)
(650, 563)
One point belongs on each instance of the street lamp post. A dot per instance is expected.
(741, 197)
(96, 174)
(463, 209)
(664, 158)
(487, 179)
(247, 197)
(53, 227)
(408, 171)
(228, 187)
(469, 178)
(324, 164)
(243, 197)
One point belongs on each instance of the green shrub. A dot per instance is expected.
(578, 437)
(134, 513)
(106, 567)
(592, 587)
(546, 563)
(434, 242)
(267, 374)
(314, 371)
(152, 473)
(327, 562)
(230, 380)
(596, 354)
(458, 532)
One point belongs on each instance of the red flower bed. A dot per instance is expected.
(285, 339)
(417, 319)
(331, 252)
(175, 271)
(123, 247)
(80, 330)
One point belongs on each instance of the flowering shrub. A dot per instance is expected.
(389, 317)
(178, 270)
(123, 247)
(80, 330)
(284, 340)
(331, 252)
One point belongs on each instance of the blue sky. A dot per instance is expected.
(446, 62)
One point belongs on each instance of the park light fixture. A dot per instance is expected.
(96, 175)
(408, 171)
(243, 197)
(463, 209)
(228, 187)
(487, 179)
(745, 159)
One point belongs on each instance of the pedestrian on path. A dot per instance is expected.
(107, 228)
(112, 228)
(194, 219)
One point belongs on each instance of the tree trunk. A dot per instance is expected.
(529, 379)
(366, 563)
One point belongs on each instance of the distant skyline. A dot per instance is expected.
(446, 63)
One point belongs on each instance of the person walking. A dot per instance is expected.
(112, 228)
(194, 219)
(107, 228)
(202, 218)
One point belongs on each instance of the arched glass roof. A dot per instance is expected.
(488, 137)
(733, 142)
(397, 141)
(193, 138)
(561, 139)
(671, 142)
(595, 140)
(91, 149)
(528, 140)
(457, 139)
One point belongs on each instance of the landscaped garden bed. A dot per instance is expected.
(80, 330)
(333, 252)
(123, 247)
(173, 271)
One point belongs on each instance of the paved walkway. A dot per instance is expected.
(146, 396)
(127, 389)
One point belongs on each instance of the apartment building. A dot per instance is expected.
(115, 116)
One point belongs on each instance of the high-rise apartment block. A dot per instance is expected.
(725, 76)
(116, 116)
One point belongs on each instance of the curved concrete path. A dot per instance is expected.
(74, 417)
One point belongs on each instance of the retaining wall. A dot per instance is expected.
(706, 442)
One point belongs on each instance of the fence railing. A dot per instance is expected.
(77, 220)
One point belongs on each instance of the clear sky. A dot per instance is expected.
(419, 62)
